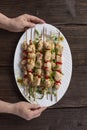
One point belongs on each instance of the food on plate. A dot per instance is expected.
(41, 65)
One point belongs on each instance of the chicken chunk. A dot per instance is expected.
(31, 55)
(37, 81)
(59, 48)
(38, 64)
(47, 45)
(31, 48)
(47, 66)
(38, 72)
(48, 56)
(40, 45)
(30, 77)
(24, 45)
(48, 83)
(39, 56)
(58, 76)
(30, 65)
(58, 58)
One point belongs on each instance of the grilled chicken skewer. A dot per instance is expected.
(23, 64)
(47, 65)
(45, 53)
(58, 71)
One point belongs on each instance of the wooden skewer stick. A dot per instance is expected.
(26, 87)
(43, 35)
(34, 33)
(56, 97)
(51, 87)
(44, 31)
(35, 86)
(31, 35)
(26, 37)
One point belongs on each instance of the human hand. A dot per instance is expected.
(22, 22)
(27, 111)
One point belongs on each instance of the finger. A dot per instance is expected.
(36, 19)
(36, 116)
(38, 111)
(29, 24)
(34, 106)
(25, 28)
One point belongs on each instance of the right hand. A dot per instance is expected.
(27, 111)
(23, 22)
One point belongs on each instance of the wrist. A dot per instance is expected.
(10, 108)
(4, 22)
(8, 24)
(6, 107)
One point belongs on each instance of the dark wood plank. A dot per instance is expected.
(76, 95)
(57, 10)
(51, 119)
(8, 88)
(63, 115)
(8, 42)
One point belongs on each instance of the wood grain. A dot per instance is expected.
(52, 11)
(52, 119)
(70, 113)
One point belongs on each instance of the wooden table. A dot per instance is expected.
(71, 112)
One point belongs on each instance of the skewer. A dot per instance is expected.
(26, 37)
(51, 87)
(34, 90)
(34, 32)
(31, 35)
(44, 31)
(47, 94)
(56, 95)
(43, 35)
(26, 87)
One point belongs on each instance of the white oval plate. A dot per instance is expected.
(66, 66)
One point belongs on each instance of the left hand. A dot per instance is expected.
(22, 22)
(26, 110)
